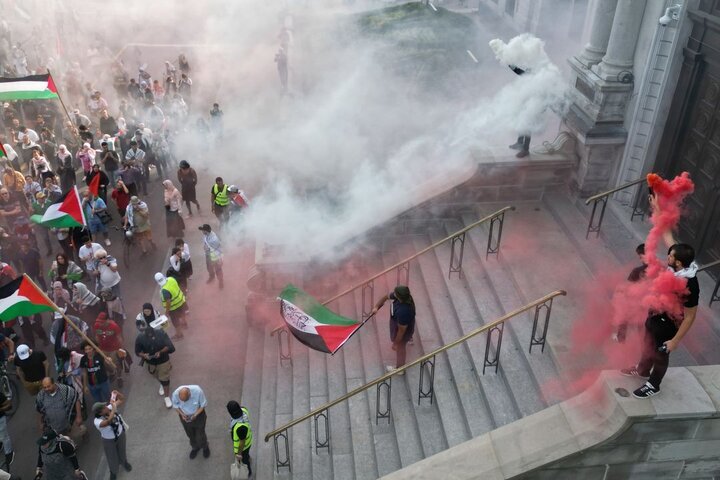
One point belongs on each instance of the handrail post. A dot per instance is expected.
(285, 461)
(592, 227)
(715, 297)
(456, 258)
(638, 210)
(404, 268)
(495, 361)
(494, 249)
(285, 353)
(386, 387)
(428, 392)
(325, 443)
(368, 293)
(534, 339)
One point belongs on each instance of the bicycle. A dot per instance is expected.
(128, 242)
(9, 388)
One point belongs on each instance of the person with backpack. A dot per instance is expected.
(57, 457)
(112, 430)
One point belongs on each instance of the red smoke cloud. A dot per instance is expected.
(612, 301)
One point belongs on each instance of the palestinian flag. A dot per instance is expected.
(65, 213)
(3, 153)
(21, 298)
(94, 185)
(32, 87)
(312, 323)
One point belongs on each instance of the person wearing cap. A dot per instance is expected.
(220, 200)
(240, 433)
(57, 458)
(188, 179)
(112, 430)
(155, 347)
(213, 254)
(79, 119)
(136, 156)
(173, 299)
(402, 321)
(189, 402)
(31, 367)
(137, 216)
(58, 406)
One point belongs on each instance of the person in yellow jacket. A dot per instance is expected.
(220, 200)
(173, 300)
(240, 433)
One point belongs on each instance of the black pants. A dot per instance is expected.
(658, 329)
(31, 327)
(246, 459)
(195, 431)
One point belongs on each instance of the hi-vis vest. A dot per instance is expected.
(221, 196)
(176, 295)
(234, 432)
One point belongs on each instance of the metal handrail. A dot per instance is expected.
(709, 265)
(614, 190)
(417, 254)
(412, 257)
(417, 361)
(603, 197)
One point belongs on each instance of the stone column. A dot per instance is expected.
(602, 21)
(623, 39)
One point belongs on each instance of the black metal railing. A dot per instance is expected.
(639, 206)
(714, 297)
(383, 384)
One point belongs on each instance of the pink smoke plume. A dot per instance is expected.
(591, 347)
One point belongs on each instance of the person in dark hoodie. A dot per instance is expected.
(154, 347)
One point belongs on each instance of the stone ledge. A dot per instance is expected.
(596, 416)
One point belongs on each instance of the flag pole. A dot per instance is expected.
(70, 322)
(76, 135)
(354, 332)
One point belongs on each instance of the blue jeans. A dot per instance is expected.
(101, 391)
(5, 436)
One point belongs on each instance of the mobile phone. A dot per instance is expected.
(113, 396)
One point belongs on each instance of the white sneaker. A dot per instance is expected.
(108, 242)
(168, 403)
(161, 392)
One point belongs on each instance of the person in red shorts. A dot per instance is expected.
(110, 341)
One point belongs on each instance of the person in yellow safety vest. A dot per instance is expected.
(220, 200)
(240, 433)
(174, 302)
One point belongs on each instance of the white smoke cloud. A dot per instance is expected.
(354, 143)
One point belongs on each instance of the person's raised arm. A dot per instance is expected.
(667, 235)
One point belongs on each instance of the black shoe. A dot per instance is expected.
(646, 391)
(206, 452)
(522, 154)
(127, 467)
(193, 453)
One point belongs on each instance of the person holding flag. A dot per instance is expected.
(97, 182)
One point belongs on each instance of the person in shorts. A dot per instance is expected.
(155, 347)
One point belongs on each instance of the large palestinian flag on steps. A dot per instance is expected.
(32, 87)
(67, 212)
(21, 298)
(312, 323)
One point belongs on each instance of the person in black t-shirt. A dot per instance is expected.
(402, 322)
(662, 332)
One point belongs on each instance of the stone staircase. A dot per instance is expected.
(543, 249)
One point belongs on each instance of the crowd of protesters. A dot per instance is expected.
(121, 148)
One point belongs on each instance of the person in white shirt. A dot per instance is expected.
(113, 431)
(87, 253)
